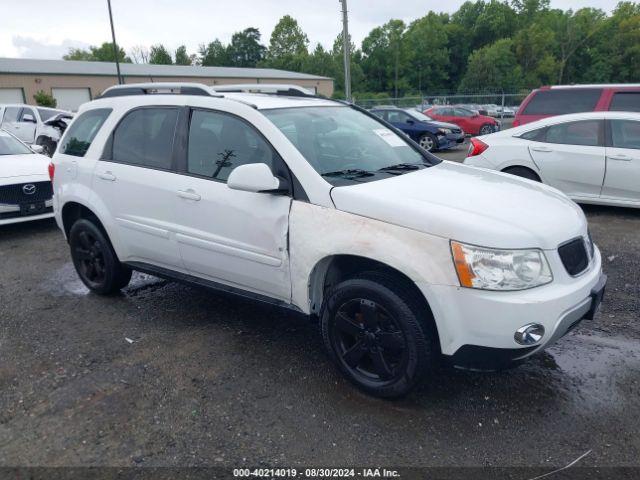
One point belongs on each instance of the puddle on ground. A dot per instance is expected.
(65, 281)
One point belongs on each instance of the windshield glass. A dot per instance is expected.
(47, 113)
(11, 146)
(419, 115)
(341, 139)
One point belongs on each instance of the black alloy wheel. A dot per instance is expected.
(95, 260)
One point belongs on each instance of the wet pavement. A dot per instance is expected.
(169, 375)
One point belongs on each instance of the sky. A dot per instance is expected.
(48, 28)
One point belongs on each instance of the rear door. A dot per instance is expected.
(571, 157)
(622, 181)
(136, 182)
(229, 236)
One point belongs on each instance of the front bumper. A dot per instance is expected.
(476, 324)
(451, 140)
(12, 213)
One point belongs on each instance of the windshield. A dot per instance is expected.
(341, 140)
(419, 115)
(47, 113)
(11, 146)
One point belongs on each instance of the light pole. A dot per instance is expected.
(346, 47)
(115, 45)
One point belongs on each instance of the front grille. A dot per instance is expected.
(15, 194)
(456, 130)
(574, 256)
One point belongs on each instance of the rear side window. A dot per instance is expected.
(144, 137)
(534, 135)
(220, 142)
(586, 133)
(562, 101)
(625, 134)
(625, 102)
(81, 133)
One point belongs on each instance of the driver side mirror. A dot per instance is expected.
(256, 178)
(27, 117)
(410, 121)
(37, 148)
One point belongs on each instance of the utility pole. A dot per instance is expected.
(346, 47)
(115, 45)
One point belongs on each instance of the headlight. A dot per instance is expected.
(497, 269)
(444, 131)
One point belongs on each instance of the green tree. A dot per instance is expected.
(214, 54)
(182, 57)
(288, 45)
(492, 68)
(159, 55)
(44, 99)
(427, 53)
(103, 53)
(245, 49)
(533, 47)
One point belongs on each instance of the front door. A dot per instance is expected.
(13, 121)
(229, 236)
(571, 157)
(622, 181)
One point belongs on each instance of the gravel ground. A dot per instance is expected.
(169, 375)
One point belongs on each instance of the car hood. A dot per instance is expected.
(469, 204)
(23, 165)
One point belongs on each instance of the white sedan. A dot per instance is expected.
(592, 157)
(25, 187)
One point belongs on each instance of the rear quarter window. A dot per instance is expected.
(563, 101)
(81, 133)
(625, 102)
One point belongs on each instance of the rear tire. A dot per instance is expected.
(429, 142)
(523, 172)
(377, 334)
(486, 129)
(95, 260)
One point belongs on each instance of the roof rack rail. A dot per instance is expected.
(161, 88)
(266, 88)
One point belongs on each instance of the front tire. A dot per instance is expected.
(429, 142)
(377, 335)
(95, 260)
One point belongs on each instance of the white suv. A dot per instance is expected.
(323, 208)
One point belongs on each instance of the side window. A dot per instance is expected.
(27, 112)
(219, 142)
(82, 131)
(625, 134)
(11, 114)
(534, 135)
(380, 113)
(586, 132)
(144, 137)
(461, 112)
(561, 101)
(397, 117)
(625, 102)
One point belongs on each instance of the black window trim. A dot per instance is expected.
(282, 171)
(107, 152)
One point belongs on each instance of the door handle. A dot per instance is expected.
(541, 149)
(110, 177)
(619, 158)
(189, 194)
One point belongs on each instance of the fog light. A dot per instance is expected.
(529, 334)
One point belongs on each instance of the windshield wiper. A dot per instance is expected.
(401, 166)
(349, 172)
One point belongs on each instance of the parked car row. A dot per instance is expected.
(35, 125)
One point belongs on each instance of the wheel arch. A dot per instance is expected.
(333, 269)
(505, 168)
(73, 211)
